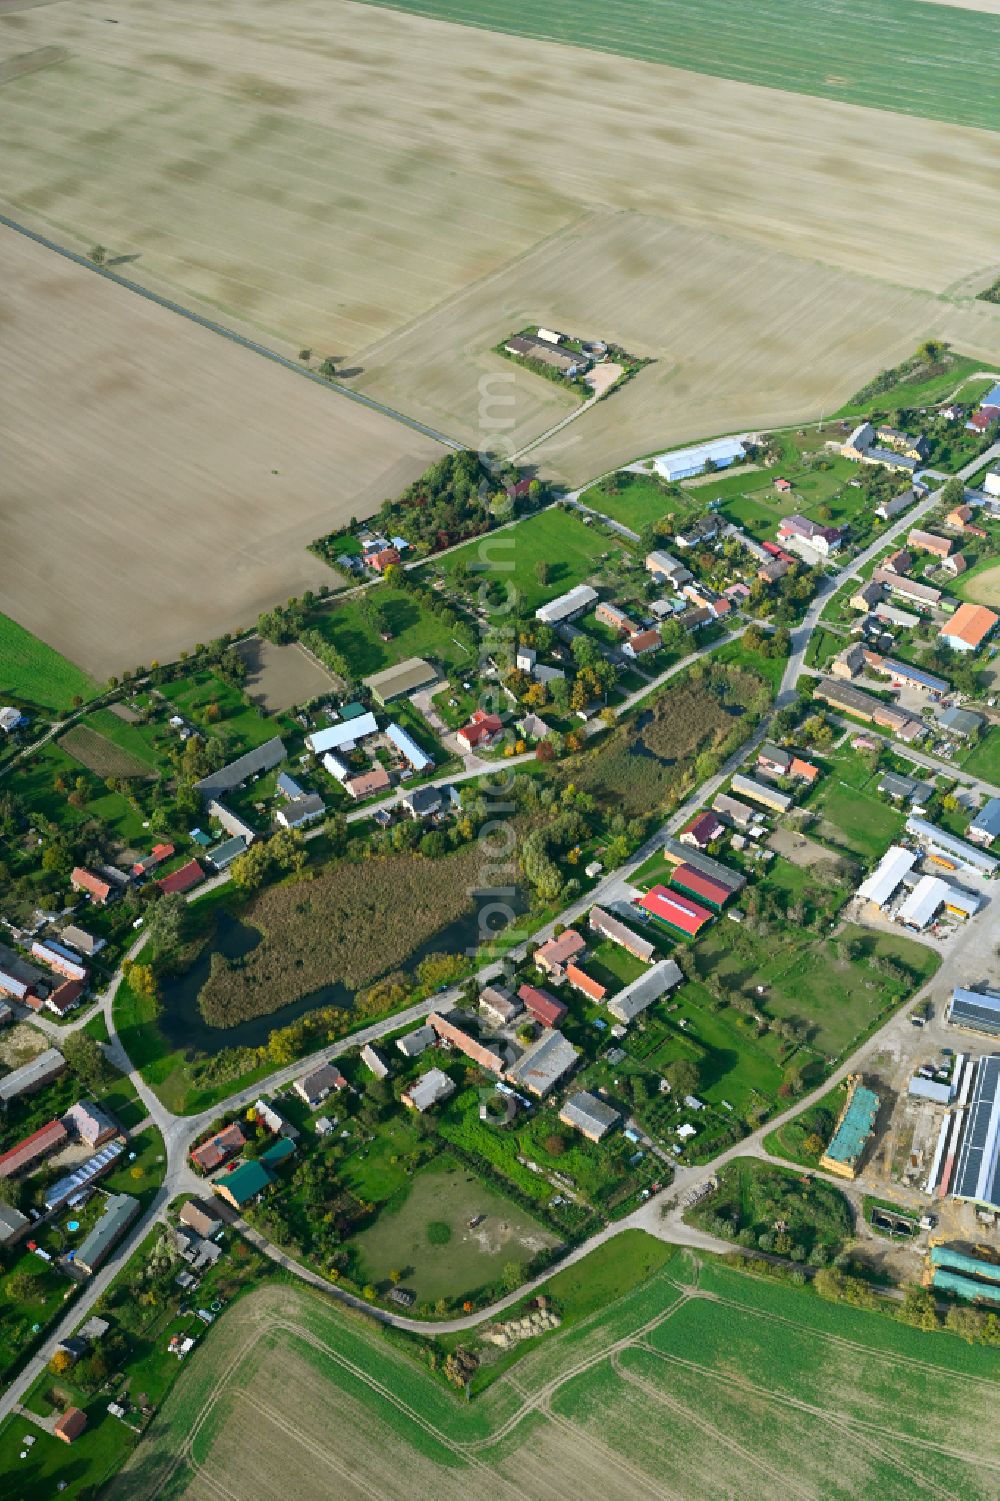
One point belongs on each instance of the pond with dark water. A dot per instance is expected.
(184, 1027)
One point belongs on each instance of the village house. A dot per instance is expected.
(585, 984)
(642, 642)
(85, 943)
(430, 1089)
(588, 1115)
(481, 731)
(668, 569)
(913, 448)
(197, 1217)
(824, 540)
(867, 597)
(553, 956)
(318, 1083)
(701, 830)
(242, 1184)
(615, 617)
(416, 1042)
(218, 1149)
(90, 1124)
(421, 802)
(499, 1006)
(919, 541)
(968, 628)
(450, 1029)
(544, 1008)
(606, 926)
(99, 890)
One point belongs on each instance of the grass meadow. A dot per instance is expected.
(34, 674)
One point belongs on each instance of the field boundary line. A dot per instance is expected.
(446, 303)
(840, 1339)
(210, 324)
(839, 1419)
(708, 1428)
(581, 1436)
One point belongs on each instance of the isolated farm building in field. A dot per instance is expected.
(683, 463)
(542, 1006)
(32, 1076)
(400, 681)
(985, 827)
(605, 926)
(968, 628)
(408, 748)
(853, 1131)
(761, 792)
(450, 1029)
(644, 990)
(318, 1083)
(545, 1062)
(482, 729)
(185, 878)
(430, 1089)
(588, 1115)
(98, 889)
(344, 735)
(568, 606)
(553, 956)
(676, 912)
(264, 758)
(300, 811)
(219, 1149)
(530, 347)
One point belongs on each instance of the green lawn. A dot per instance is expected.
(460, 1261)
(984, 760)
(637, 500)
(34, 781)
(557, 537)
(925, 392)
(380, 1170)
(35, 674)
(854, 820)
(416, 632)
(789, 1140)
(858, 53)
(240, 725)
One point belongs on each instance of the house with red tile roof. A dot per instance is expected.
(219, 1149)
(542, 1006)
(48, 1138)
(585, 984)
(380, 561)
(701, 830)
(96, 887)
(183, 879)
(481, 730)
(642, 642)
(695, 883)
(70, 1425)
(968, 628)
(554, 955)
(675, 911)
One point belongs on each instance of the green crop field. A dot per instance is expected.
(899, 55)
(697, 1379)
(35, 674)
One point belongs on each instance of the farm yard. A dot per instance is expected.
(670, 1384)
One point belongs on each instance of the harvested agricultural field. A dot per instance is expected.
(861, 52)
(182, 475)
(100, 755)
(320, 933)
(489, 175)
(279, 677)
(701, 1381)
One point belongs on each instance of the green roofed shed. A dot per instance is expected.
(243, 1183)
(279, 1151)
(352, 711)
(854, 1128)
